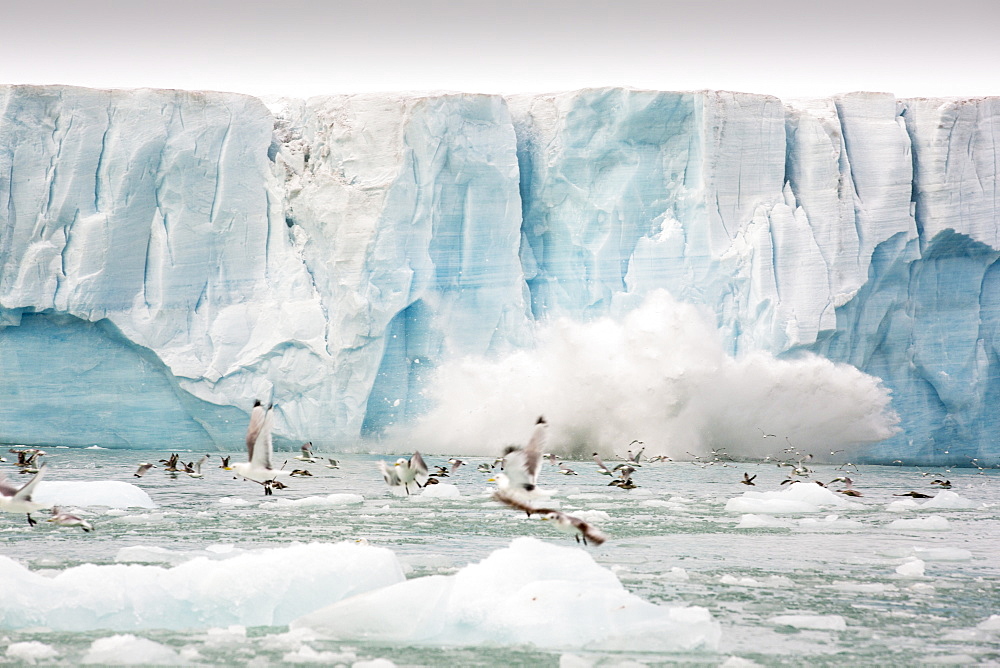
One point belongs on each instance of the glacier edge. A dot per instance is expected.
(328, 254)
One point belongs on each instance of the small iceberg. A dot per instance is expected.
(531, 592)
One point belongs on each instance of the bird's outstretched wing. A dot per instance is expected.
(419, 469)
(260, 452)
(253, 430)
(24, 494)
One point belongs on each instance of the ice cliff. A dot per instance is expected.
(168, 256)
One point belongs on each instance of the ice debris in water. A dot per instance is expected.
(812, 622)
(911, 568)
(531, 592)
(332, 500)
(920, 524)
(259, 588)
(129, 650)
(108, 493)
(803, 497)
(30, 652)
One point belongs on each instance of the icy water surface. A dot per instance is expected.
(882, 581)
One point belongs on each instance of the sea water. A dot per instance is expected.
(790, 577)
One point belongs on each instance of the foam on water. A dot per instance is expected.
(685, 394)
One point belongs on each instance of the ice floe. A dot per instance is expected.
(812, 622)
(254, 588)
(802, 497)
(108, 493)
(531, 592)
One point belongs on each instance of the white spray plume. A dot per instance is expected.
(659, 375)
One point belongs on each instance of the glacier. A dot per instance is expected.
(166, 257)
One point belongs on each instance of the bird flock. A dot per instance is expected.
(515, 471)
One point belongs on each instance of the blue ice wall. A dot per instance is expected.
(82, 383)
(329, 253)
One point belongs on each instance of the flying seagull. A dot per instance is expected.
(65, 519)
(568, 523)
(748, 479)
(260, 449)
(520, 465)
(18, 499)
(143, 468)
(601, 468)
(307, 453)
(405, 472)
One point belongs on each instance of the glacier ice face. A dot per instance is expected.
(206, 249)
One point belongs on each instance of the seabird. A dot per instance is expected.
(601, 468)
(307, 454)
(455, 463)
(848, 486)
(260, 449)
(302, 473)
(565, 470)
(568, 523)
(170, 465)
(748, 479)
(943, 484)
(225, 464)
(520, 465)
(440, 472)
(634, 459)
(484, 468)
(332, 463)
(65, 519)
(194, 469)
(405, 472)
(141, 471)
(18, 499)
(915, 495)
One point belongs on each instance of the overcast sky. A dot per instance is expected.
(787, 48)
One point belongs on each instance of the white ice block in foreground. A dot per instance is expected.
(528, 593)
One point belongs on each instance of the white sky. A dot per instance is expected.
(788, 48)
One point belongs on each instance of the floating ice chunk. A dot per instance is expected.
(902, 506)
(129, 650)
(374, 663)
(593, 516)
(830, 522)
(306, 654)
(738, 662)
(257, 588)
(30, 652)
(862, 587)
(991, 623)
(234, 501)
(801, 497)
(911, 568)
(439, 491)
(812, 622)
(332, 500)
(920, 524)
(529, 593)
(948, 500)
(775, 581)
(109, 493)
(751, 521)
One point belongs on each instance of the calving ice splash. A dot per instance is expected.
(332, 253)
(660, 375)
